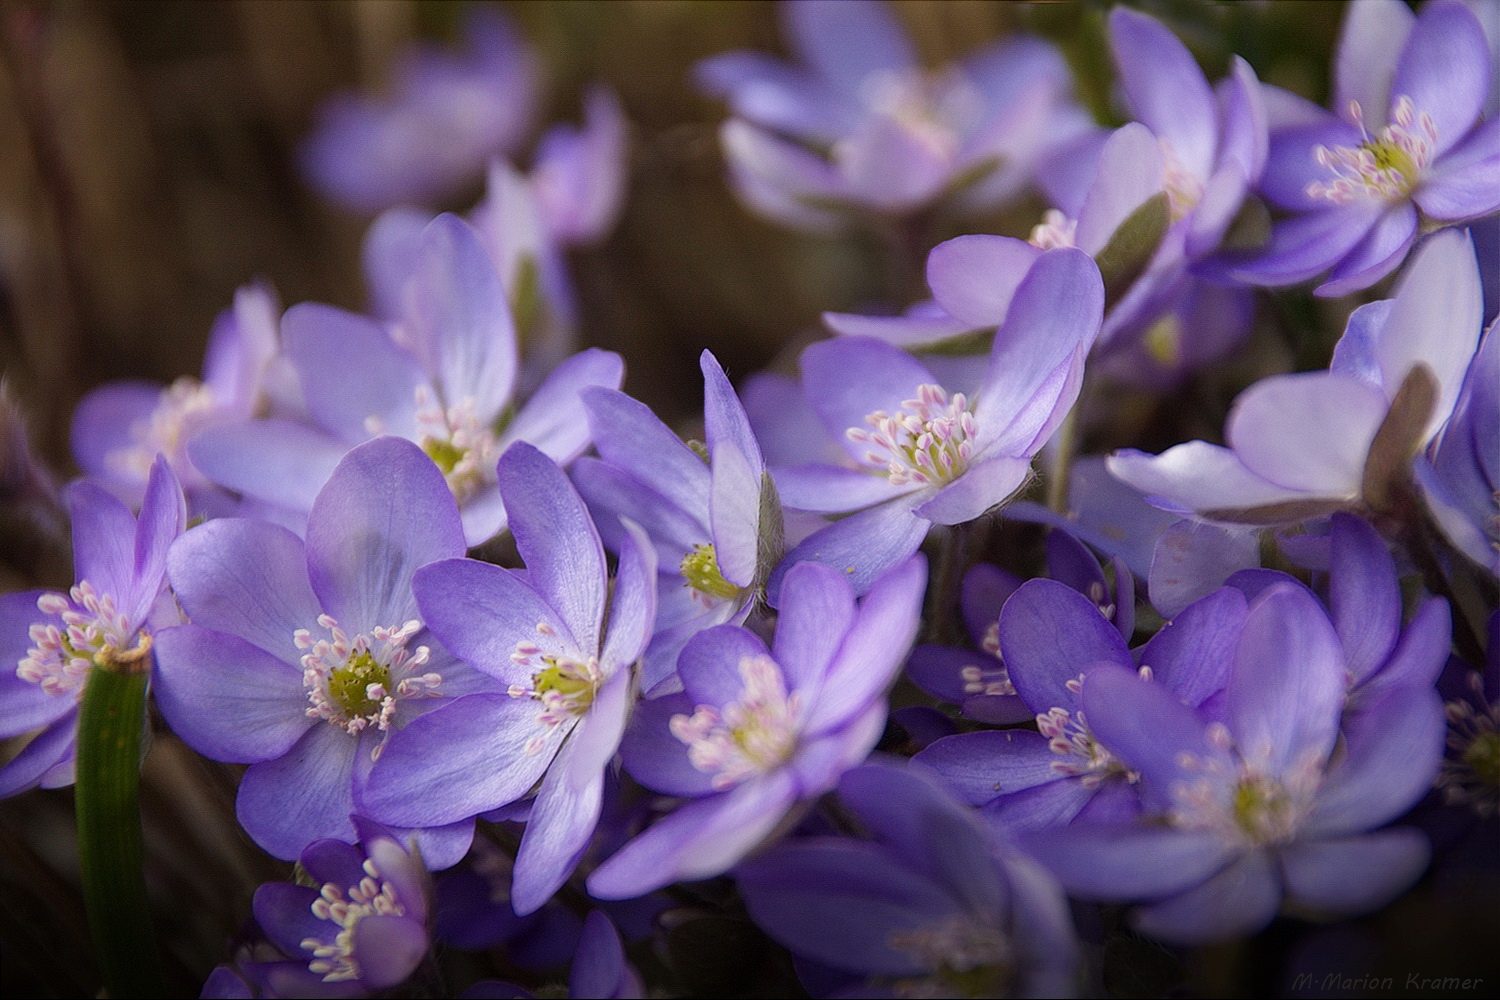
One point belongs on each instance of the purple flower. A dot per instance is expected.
(570, 681)
(120, 428)
(917, 454)
(447, 116)
(579, 174)
(1243, 813)
(599, 968)
(303, 660)
(108, 619)
(860, 125)
(444, 377)
(361, 928)
(932, 906)
(1414, 151)
(1301, 444)
(716, 526)
(758, 730)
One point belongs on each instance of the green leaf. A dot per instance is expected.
(1131, 246)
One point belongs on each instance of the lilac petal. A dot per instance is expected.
(841, 902)
(396, 865)
(103, 422)
(1050, 804)
(481, 612)
(599, 963)
(845, 43)
(1435, 319)
(655, 757)
(982, 766)
(710, 664)
(735, 514)
(1354, 875)
(27, 706)
(1287, 689)
(1165, 88)
(1364, 595)
(284, 913)
(822, 759)
(862, 546)
(1237, 901)
(553, 419)
(227, 699)
(781, 179)
(1445, 70)
(1191, 654)
(1354, 354)
(385, 512)
(307, 793)
(1420, 653)
(571, 798)
(874, 649)
(1381, 251)
(1370, 42)
(849, 378)
(996, 709)
(1394, 749)
(1055, 313)
(1306, 245)
(723, 415)
(974, 277)
(1194, 558)
(615, 494)
(162, 519)
(1462, 184)
(54, 746)
(103, 539)
(279, 461)
(389, 257)
(482, 516)
(388, 949)
(832, 488)
(1130, 172)
(1223, 194)
(247, 579)
(557, 539)
(912, 330)
(774, 94)
(467, 757)
(461, 321)
(1147, 726)
(377, 388)
(982, 486)
(1292, 162)
(817, 611)
(628, 435)
(938, 670)
(1048, 633)
(1197, 476)
(985, 590)
(1331, 418)
(1128, 861)
(632, 609)
(1245, 141)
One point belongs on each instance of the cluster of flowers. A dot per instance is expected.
(694, 643)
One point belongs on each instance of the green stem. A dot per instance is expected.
(1067, 450)
(107, 797)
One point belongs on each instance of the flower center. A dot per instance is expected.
(1471, 771)
(749, 737)
(458, 442)
(969, 955)
(93, 632)
(563, 685)
(1055, 231)
(928, 441)
(936, 107)
(356, 683)
(184, 408)
(700, 572)
(1258, 810)
(1387, 166)
(335, 961)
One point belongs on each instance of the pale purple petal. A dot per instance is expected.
(1420, 653)
(103, 539)
(780, 178)
(1165, 88)
(832, 488)
(279, 461)
(1130, 172)
(710, 664)
(599, 964)
(54, 749)
(982, 486)
(305, 794)
(1379, 253)
(1364, 594)
(1193, 558)
(385, 512)
(553, 419)
(1048, 633)
(862, 546)
(1197, 476)
(1309, 431)
(557, 539)
(849, 378)
(980, 767)
(1307, 245)
(911, 330)
(1355, 875)
(1237, 901)
(974, 277)
(103, 422)
(1147, 726)
(1127, 862)
(632, 608)
(480, 612)
(1191, 654)
(614, 494)
(817, 611)
(356, 380)
(1374, 33)
(735, 514)
(627, 434)
(388, 949)
(655, 757)
(847, 42)
(1462, 184)
(1445, 70)
(723, 415)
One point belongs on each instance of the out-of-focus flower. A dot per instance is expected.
(444, 377)
(859, 125)
(1245, 812)
(302, 660)
(445, 117)
(600, 971)
(1305, 444)
(716, 524)
(109, 620)
(570, 681)
(932, 906)
(916, 454)
(120, 428)
(1407, 150)
(758, 730)
(579, 173)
